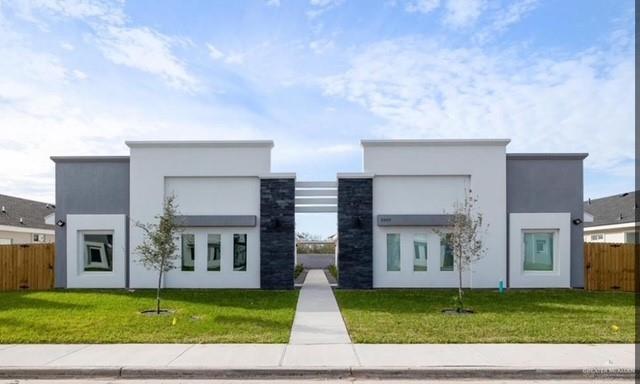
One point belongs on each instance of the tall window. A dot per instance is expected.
(420, 253)
(240, 252)
(393, 252)
(188, 251)
(538, 251)
(446, 253)
(98, 252)
(213, 252)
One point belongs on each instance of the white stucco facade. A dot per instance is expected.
(556, 223)
(77, 226)
(424, 177)
(207, 178)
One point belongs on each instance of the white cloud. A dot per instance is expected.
(322, 6)
(79, 74)
(463, 13)
(67, 46)
(147, 50)
(422, 6)
(235, 58)
(420, 88)
(504, 18)
(321, 46)
(273, 3)
(141, 48)
(214, 52)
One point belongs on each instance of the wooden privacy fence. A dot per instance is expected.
(26, 266)
(610, 267)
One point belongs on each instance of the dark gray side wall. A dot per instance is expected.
(88, 187)
(277, 233)
(355, 233)
(553, 184)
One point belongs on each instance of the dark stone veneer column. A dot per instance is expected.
(277, 233)
(355, 233)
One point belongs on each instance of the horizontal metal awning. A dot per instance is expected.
(414, 220)
(316, 196)
(217, 220)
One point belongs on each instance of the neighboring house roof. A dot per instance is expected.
(616, 209)
(33, 213)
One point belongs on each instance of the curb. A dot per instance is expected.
(317, 373)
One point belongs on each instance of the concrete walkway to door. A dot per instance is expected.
(318, 319)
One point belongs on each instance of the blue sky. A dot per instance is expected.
(79, 77)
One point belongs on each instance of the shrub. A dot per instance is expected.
(298, 270)
(333, 270)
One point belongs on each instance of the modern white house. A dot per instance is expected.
(238, 217)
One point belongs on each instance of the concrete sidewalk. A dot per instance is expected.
(318, 319)
(523, 361)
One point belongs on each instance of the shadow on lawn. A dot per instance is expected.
(484, 302)
(240, 298)
(239, 321)
(24, 300)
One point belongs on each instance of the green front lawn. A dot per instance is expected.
(113, 316)
(518, 316)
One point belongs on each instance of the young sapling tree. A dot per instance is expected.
(158, 250)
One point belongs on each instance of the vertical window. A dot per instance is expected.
(188, 251)
(240, 252)
(631, 237)
(213, 252)
(446, 253)
(98, 252)
(538, 251)
(393, 251)
(420, 253)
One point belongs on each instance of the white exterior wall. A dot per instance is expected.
(614, 233)
(230, 187)
(76, 276)
(437, 172)
(559, 224)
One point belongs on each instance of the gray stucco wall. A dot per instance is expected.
(355, 233)
(88, 186)
(549, 183)
(277, 233)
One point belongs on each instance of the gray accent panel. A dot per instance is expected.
(217, 221)
(414, 220)
(355, 233)
(542, 184)
(88, 187)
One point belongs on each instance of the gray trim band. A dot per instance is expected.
(547, 156)
(90, 159)
(414, 220)
(217, 220)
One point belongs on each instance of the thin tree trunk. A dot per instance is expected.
(159, 285)
(460, 289)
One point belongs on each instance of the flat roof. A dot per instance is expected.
(547, 156)
(432, 142)
(200, 144)
(88, 159)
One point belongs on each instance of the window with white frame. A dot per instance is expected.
(393, 252)
(597, 236)
(240, 252)
(538, 250)
(97, 250)
(631, 237)
(213, 252)
(420, 249)
(446, 253)
(188, 252)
